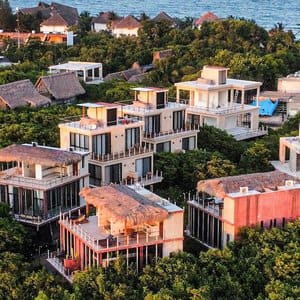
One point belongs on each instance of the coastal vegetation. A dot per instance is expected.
(258, 265)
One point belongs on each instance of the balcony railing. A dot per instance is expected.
(41, 218)
(99, 125)
(7, 177)
(186, 130)
(122, 154)
(222, 110)
(111, 241)
(208, 204)
(151, 108)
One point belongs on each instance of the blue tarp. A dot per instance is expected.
(266, 107)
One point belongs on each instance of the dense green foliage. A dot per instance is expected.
(258, 265)
(28, 124)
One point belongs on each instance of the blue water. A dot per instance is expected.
(266, 13)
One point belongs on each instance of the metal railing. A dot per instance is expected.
(187, 129)
(100, 125)
(122, 154)
(112, 241)
(33, 182)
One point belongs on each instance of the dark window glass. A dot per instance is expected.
(178, 119)
(95, 175)
(111, 117)
(101, 144)
(132, 137)
(160, 100)
(163, 147)
(79, 141)
(152, 124)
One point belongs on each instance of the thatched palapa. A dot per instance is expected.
(123, 204)
(219, 187)
(21, 93)
(38, 155)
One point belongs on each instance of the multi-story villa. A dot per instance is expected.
(114, 143)
(40, 182)
(129, 221)
(270, 199)
(216, 100)
(165, 128)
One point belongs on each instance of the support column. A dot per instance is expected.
(231, 97)
(93, 74)
(243, 97)
(177, 94)
(84, 75)
(282, 153)
(257, 96)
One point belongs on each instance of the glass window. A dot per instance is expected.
(113, 173)
(79, 141)
(163, 147)
(95, 175)
(189, 143)
(160, 100)
(152, 124)
(111, 117)
(132, 137)
(178, 119)
(101, 144)
(143, 166)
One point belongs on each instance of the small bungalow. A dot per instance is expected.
(165, 18)
(61, 18)
(207, 17)
(104, 21)
(20, 93)
(127, 26)
(60, 88)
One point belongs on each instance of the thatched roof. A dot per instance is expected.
(220, 187)
(69, 13)
(124, 204)
(21, 93)
(105, 17)
(38, 155)
(61, 86)
(55, 20)
(164, 17)
(129, 22)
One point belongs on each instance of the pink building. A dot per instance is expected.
(224, 205)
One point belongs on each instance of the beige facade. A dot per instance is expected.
(114, 143)
(165, 128)
(216, 100)
(39, 189)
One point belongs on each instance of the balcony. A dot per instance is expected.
(209, 205)
(134, 151)
(94, 124)
(244, 133)
(40, 219)
(150, 109)
(235, 108)
(13, 177)
(172, 133)
(150, 178)
(100, 240)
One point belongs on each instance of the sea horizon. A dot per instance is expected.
(265, 13)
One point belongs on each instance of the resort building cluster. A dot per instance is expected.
(97, 188)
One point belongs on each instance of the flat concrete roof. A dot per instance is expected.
(76, 65)
(230, 83)
(149, 89)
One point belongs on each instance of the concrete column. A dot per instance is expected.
(84, 75)
(257, 96)
(177, 94)
(243, 97)
(282, 150)
(93, 74)
(231, 97)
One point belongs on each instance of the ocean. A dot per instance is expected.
(266, 13)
